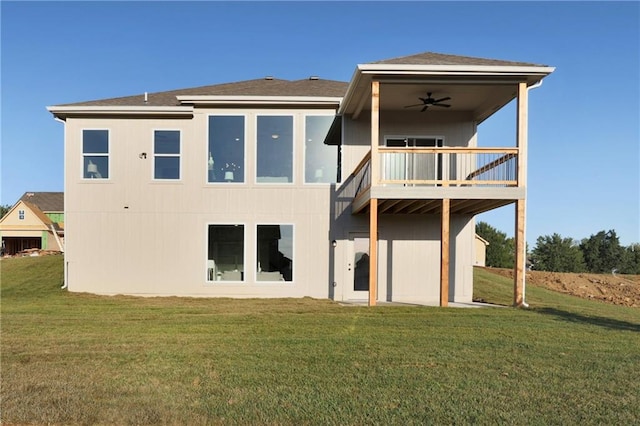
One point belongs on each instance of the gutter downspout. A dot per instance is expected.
(65, 282)
(524, 267)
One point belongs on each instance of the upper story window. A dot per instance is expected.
(274, 154)
(21, 214)
(225, 160)
(320, 160)
(95, 154)
(166, 154)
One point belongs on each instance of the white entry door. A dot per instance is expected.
(357, 285)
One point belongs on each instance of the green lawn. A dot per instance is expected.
(80, 359)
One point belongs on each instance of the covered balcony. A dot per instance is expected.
(427, 175)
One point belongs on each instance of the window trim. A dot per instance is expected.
(293, 251)
(304, 150)
(294, 122)
(83, 154)
(154, 155)
(244, 115)
(207, 282)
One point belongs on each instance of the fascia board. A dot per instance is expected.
(258, 100)
(65, 111)
(353, 84)
(455, 69)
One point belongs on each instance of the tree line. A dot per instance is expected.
(600, 253)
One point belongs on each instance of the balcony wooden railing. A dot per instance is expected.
(447, 167)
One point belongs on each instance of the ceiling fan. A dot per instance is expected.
(429, 101)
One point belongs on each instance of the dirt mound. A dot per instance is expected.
(615, 289)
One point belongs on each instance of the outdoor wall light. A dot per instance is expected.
(334, 243)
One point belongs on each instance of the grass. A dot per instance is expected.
(71, 358)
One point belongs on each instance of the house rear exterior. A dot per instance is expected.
(365, 190)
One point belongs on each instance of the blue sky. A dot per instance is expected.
(584, 125)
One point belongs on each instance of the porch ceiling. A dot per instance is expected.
(479, 100)
(479, 93)
(412, 206)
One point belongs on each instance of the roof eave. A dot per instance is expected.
(454, 69)
(258, 100)
(63, 112)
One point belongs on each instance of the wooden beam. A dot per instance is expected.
(416, 206)
(403, 204)
(432, 206)
(373, 251)
(375, 132)
(520, 255)
(387, 205)
(522, 128)
(444, 254)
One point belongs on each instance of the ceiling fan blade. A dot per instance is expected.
(425, 108)
(442, 105)
(442, 99)
(409, 106)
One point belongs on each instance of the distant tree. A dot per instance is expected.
(554, 253)
(631, 260)
(602, 252)
(501, 250)
(4, 209)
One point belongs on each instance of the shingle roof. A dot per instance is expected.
(258, 87)
(432, 58)
(277, 87)
(45, 201)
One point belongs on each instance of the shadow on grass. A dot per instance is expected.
(585, 319)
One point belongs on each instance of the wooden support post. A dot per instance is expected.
(373, 252)
(375, 132)
(373, 204)
(520, 257)
(444, 253)
(522, 130)
(520, 213)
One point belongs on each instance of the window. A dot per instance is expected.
(21, 214)
(166, 154)
(225, 257)
(95, 154)
(275, 149)
(320, 160)
(225, 160)
(274, 253)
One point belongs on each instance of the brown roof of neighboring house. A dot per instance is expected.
(259, 87)
(431, 58)
(45, 201)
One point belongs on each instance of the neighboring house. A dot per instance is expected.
(364, 190)
(35, 221)
(480, 256)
